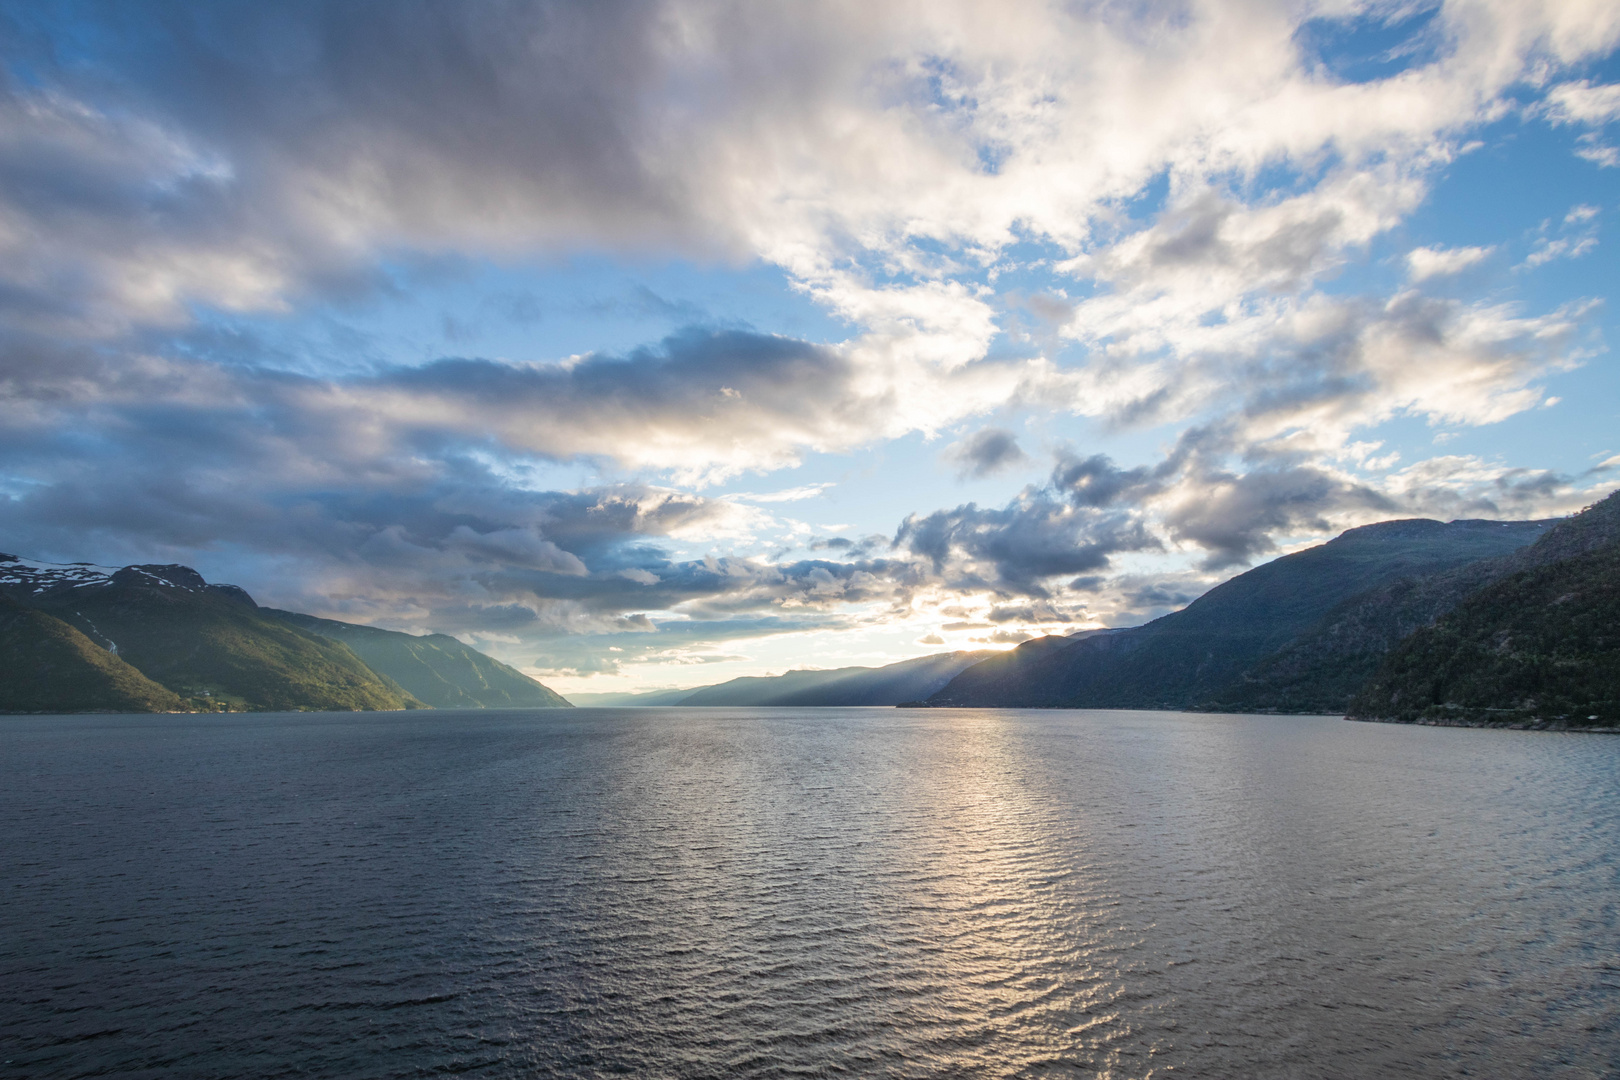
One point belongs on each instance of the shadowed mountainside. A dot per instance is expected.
(1190, 658)
(1322, 669)
(1541, 642)
(851, 686)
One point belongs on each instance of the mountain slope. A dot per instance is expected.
(887, 685)
(1188, 658)
(205, 642)
(643, 699)
(1541, 643)
(436, 668)
(48, 666)
(1322, 669)
(891, 684)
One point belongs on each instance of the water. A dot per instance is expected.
(698, 893)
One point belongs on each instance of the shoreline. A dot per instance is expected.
(1501, 725)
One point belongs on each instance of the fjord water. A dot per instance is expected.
(700, 893)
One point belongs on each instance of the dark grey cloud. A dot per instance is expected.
(700, 395)
(1015, 549)
(239, 155)
(1096, 481)
(986, 452)
(1234, 517)
(1040, 612)
(704, 400)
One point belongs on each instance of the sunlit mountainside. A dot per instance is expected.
(158, 638)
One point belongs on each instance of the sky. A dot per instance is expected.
(649, 344)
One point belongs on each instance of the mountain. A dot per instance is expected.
(646, 698)
(1193, 657)
(1322, 669)
(51, 667)
(166, 639)
(887, 685)
(1540, 643)
(437, 669)
(208, 643)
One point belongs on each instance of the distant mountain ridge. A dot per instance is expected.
(162, 638)
(1478, 622)
(849, 686)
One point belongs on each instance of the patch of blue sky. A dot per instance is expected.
(1548, 218)
(1371, 45)
(521, 313)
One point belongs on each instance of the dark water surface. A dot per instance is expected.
(820, 892)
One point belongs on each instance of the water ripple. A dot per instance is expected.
(700, 893)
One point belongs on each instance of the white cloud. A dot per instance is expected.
(1577, 235)
(793, 494)
(1428, 262)
(1583, 103)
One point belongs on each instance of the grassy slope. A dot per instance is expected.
(206, 642)
(48, 666)
(436, 668)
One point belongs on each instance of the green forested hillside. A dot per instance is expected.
(435, 668)
(168, 639)
(216, 648)
(1541, 644)
(1323, 668)
(48, 666)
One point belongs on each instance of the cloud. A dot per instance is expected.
(1096, 481)
(1015, 550)
(795, 494)
(1006, 637)
(1234, 517)
(1428, 262)
(1185, 183)
(711, 403)
(174, 167)
(985, 453)
(1577, 235)
(1583, 103)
